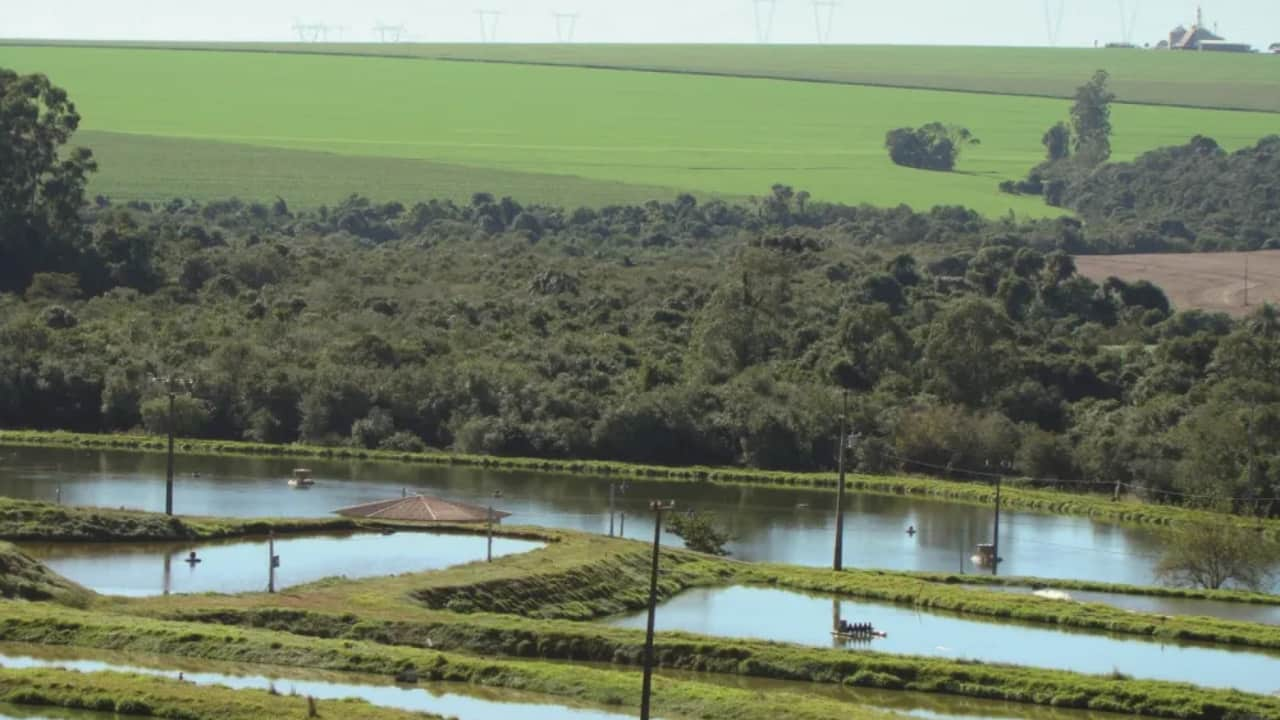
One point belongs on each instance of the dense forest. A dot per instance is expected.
(674, 332)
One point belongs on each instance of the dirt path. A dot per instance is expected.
(1208, 281)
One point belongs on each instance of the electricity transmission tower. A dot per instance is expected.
(764, 11)
(566, 25)
(389, 33)
(489, 25)
(824, 18)
(1054, 10)
(1128, 20)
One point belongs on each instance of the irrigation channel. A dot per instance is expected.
(808, 619)
(141, 569)
(771, 524)
(467, 701)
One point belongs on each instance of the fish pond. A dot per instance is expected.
(773, 524)
(141, 569)
(778, 615)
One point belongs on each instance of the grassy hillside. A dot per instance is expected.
(1248, 82)
(730, 136)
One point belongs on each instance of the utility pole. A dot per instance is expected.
(488, 555)
(622, 524)
(837, 562)
(995, 539)
(172, 386)
(657, 506)
(168, 573)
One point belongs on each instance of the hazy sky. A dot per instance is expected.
(971, 22)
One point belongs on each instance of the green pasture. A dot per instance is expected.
(717, 135)
(1210, 80)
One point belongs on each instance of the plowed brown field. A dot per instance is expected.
(1208, 281)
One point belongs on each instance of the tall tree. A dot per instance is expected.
(1057, 142)
(41, 186)
(1091, 119)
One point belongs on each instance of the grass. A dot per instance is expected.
(515, 608)
(141, 696)
(1225, 81)
(1013, 497)
(22, 578)
(38, 623)
(719, 135)
(140, 167)
(608, 687)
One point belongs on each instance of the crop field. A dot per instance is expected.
(1206, 281)
(1226, 80)
(199, 123)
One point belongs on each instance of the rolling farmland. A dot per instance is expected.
(1214, 282)
(411, 128)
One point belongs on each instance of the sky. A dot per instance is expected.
(951, 22)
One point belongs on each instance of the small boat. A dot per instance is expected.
(301, 479)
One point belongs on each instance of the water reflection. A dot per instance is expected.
(448, 699)
(805, 619)
(771, 524)
(140, 569)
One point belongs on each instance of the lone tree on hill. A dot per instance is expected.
(1211, 554)
(930, 147)
(1091, 120)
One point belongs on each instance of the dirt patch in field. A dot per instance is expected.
(1209, 281)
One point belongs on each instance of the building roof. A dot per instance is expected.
(421, 508)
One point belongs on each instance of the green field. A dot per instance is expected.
(384, 127)
(1224, 80)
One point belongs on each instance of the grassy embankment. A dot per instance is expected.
(41, 624)
(139, 696)
(1013, 497)
(716, 135)
(513, 607)
(1223, 81)
(23, 578)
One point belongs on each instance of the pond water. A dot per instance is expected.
(770, 524)
(460, 700)
(1247, 612)
(140, 569)
(807, 620)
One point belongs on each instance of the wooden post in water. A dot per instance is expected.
(168, 573)
(622, 524)
(611, 489)
(273, 562)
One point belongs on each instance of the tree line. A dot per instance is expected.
(673, 332)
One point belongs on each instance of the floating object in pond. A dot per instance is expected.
(911, 530)
(1050, 594)
(192, 559)
(301, 478)
(855, 631)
